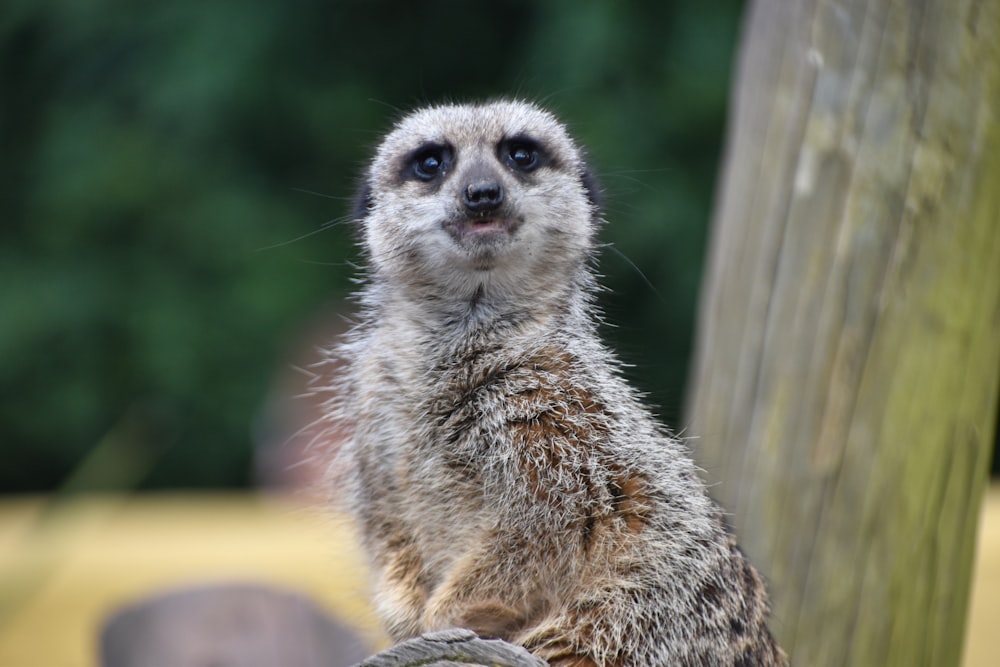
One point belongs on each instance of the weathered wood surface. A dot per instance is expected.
(845, 386)
(453, 648)
(227, 626)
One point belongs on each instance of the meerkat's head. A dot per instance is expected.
(459, 198)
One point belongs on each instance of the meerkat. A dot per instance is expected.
(504, 476)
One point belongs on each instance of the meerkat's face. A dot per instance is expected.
(460, 191)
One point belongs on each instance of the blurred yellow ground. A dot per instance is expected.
(65, 566)
(63, 569)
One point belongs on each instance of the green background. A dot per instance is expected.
(173, 176)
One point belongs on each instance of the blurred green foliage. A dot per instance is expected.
(159, 250)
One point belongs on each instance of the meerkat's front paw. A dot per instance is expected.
(490, 619)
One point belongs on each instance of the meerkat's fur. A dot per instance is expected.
(504, 476)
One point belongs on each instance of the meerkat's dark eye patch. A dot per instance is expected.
(523, 154)
(428, 162)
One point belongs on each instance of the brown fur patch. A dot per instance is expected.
(632, 505)
(560, 428)
(405, 574)
(551, 408)
(405, 566)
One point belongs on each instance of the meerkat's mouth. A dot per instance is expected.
(481, 228)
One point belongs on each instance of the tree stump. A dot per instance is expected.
(453, 648)
(227, 626)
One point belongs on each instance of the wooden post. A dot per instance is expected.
(845, 386)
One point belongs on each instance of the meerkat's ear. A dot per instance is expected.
(364, 201)
(595, 193)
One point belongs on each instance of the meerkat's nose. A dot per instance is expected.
(483, 196)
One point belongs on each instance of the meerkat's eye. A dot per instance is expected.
(522, 154)
(429, 162)
(428, 165)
